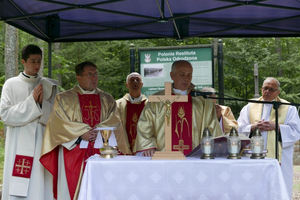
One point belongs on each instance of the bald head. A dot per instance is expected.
(180, 63)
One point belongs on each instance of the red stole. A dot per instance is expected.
(90, 105)
(132, 116)
(182, 139)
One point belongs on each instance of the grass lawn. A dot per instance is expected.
(296, 183)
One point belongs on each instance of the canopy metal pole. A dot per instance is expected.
(220, 72)
(276, 106)
(49, 60)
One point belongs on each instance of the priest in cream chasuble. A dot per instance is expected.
(131, 105)
(188, 119)
(224, 114)
(188, 123)
(129, 111)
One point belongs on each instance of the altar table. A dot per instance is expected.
(139, 178)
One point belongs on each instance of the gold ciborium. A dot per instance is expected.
(106, 150)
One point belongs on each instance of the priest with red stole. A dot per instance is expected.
(188, 118)
(76, 114)
(131, 105)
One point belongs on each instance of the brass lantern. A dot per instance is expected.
(257, 144)
(233, 145)
(207, 145)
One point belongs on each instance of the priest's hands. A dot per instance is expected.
(148, 153)
(38, 94)
(264, 126)
(90, 135)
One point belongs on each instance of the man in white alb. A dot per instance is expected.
(263, 116)
(26, 104)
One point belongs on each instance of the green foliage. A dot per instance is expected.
(276, 57)
(2, 47)
(272, 55)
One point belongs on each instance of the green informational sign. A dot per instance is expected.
(155, 66)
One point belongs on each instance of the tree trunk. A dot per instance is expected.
(41, 72)
(279, 52)
(215, 44)
(56, 50)
(11, 52)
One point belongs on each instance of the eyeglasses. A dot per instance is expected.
(89, 75)
(270, 89)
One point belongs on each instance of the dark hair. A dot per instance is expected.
(80, 67)
(30, 49)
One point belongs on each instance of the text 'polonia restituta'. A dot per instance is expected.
(177, 55)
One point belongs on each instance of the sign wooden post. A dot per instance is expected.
(168, 99)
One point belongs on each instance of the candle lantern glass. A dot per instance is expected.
(233, 147)
(207, 145)
(257, 145)
(233, 144)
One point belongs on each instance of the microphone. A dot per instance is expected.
(198, 93)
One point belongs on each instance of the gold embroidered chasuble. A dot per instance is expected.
(122, 105)
(65, 124)
(255, 113)
(228, 119)
(151, 129)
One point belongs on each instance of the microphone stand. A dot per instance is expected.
(276, 105)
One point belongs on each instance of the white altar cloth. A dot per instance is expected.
(139, 178)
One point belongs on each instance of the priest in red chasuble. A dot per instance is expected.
(188, 118)
(76, 113)
(131, 105)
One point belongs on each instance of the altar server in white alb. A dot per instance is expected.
(26, 104)
(263, 116)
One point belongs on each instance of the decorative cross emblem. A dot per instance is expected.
(22, 166)
(90, 107)
(181, 147)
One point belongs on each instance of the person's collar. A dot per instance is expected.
(135, 100)
(181, 92)
(265, 100)
(86, 91)
(29, 79)
(28, 76)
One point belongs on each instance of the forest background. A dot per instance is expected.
(276, 57)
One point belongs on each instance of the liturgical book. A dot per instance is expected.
(220, 146)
